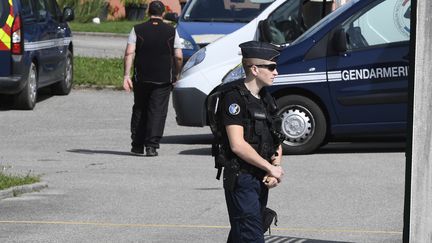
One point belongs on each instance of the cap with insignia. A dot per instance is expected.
(259, 50)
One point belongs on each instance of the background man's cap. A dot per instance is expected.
(156, 8)
(260, 50)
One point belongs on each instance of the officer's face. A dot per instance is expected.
(266, 73)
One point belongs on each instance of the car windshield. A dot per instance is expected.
(224, 10)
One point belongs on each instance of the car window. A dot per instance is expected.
(383, 23)
(224, 10)
(41, 10)
(27, 10)
(4, 12)
(53, 9)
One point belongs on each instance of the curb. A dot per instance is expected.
(96, 87)
(103, 34)
(17, 190)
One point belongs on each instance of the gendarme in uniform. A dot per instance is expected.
(247, 113)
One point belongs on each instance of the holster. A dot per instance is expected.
(230, 174)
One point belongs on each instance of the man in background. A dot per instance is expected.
(154, 49)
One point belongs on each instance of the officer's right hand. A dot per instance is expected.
(277, 172)
(127, 83)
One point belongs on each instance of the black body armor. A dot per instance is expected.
(260, 128)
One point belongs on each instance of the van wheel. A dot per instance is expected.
(64, 86)
(303, 122)
(26, 99)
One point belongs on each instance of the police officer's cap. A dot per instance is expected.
(260, 50)
(156, 8)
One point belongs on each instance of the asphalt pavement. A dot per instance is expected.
(98, 192)
(106, 45)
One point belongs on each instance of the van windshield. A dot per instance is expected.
(224, 10)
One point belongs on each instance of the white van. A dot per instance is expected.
(280, 23)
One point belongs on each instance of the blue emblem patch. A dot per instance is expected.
(234, 109)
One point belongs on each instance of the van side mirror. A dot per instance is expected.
(340, 40)
(173, 17)
(68, 14)
(264, 30)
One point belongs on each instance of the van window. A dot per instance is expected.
(383, 23)
(291, 20)
(223, 10)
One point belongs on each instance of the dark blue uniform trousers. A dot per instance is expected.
(245, 206)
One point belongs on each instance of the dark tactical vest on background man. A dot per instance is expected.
(154, 52)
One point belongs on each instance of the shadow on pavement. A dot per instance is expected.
(363, 147)
(286, 239)
(188, 139)
(93, 151)
(7, 101)
(199, 151)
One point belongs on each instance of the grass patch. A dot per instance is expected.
(99, 72)
(120, 27)
(7, 181)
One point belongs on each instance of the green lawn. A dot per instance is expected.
(7, 181)
(120, 27)
(99, 72)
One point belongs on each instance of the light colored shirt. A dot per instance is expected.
(177, 43)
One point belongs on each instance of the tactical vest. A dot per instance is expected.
(154, 52)
(259, 125)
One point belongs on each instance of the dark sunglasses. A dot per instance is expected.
(270, 67)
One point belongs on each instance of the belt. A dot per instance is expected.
(250, 169)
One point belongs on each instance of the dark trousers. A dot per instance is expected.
(149, 113)
(245, 205)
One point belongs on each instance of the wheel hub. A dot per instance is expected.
(298, 125)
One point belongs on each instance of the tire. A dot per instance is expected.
(26, 99)
(303, 122)
(64, 86)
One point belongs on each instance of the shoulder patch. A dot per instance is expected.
(234, 109)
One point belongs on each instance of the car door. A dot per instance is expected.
(5, 39)
(57, 35)
(369, 81)
(45, 43)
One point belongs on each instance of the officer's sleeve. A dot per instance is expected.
(233, 109)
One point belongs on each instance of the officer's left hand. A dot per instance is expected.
(270, 181)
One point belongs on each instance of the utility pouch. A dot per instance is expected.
(230, 174)
(269, 216)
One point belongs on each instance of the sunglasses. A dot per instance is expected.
(270, 67)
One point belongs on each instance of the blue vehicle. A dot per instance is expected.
(346, 76)
(35, 49)
(204, 21)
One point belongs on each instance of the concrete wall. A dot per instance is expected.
(421, 183)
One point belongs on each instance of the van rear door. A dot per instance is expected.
(5, 38)
(369, 81)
